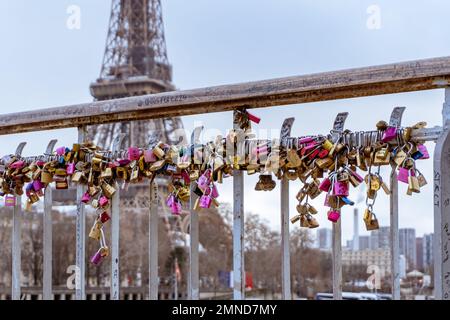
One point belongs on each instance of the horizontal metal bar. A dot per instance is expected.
(427, 134)
(359, 82)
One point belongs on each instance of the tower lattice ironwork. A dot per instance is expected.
(135, 63)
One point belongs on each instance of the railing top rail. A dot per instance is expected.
(368, 81)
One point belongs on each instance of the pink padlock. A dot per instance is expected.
(253, 118)
(305, 140)
(61, 151)
(334, 215)
(389, 134)
(204, 180)
(103, 201)
(325, 185)
(205, 201)
(149, 156)
(175, 208)
(10, 201)
(358, 177)
(423, 149)
(133, 153)
(17, 165)
(403, 175)
(124, 162)
(97, 257)
(104, 217)
(86, 197)
(340, 188)
(70, 168)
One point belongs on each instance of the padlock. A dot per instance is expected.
(403, 174)
(196, 204)
(122, 173)
(33, 198)
(295, 218)
(97, 257)
(311, 209)
(103, 201)
(421, 179)
(389, 134)
(327, 145)
(104, 217)
(324, 163)
(107, 173)
(108, 190)
(133, 153)
(70, 168)
(334, 215)
(46, 177)
(62, 185)
(176, 208)
(424, 151)
(325, 185)
(10, 201)
(413, 184)
(158, 152)
(86, 198)
(302, 209)
(170, 200)
(340, 188)
(304, 222)
(293, 159)
(205, 202)
(204, 180)
(95, 232)
(312, 221)
(78, 177)
(134, 177)
(38, 185)
(157, 165)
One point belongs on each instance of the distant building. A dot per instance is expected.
(419, 254)
(378, 257)
(349, 245)
(324, 238)
(379, 239)
(402, 266)
(427, 255)
(364, 242)
(407, 237)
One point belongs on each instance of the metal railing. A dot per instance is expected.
(393, 78)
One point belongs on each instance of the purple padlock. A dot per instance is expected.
(186, 177)
(170, 200)
(149, 156)
(325, 185)
(305, 140)
(334, 215)
(70, 168)
(61, 151)
(204, 180)
(86, 197)
(97, 257)
(123, 162)
(423, 149)
(205, 202)
(214, 191)
(389, 134)
(17, 165)
(38, 185)
(340, 188)
(133, 153)
(175, 208)
(403, 175)
(10, 201)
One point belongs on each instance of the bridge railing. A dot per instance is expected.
(369, 81)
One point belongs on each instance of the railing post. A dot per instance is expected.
(153, 242)
(115, 235)
(284, 208)
(338, 128)
(193, 281)
(80, 286)
(16, 241)
(48, 236)
(441, 181)
(394, 121)
(238, 228)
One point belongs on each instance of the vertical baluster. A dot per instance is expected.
(153, 242)
(80, 282)
(115, 235)
(337, 261)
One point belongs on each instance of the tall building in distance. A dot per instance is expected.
(364, 242)
(324, 238)
(419, 253)
(407, 238)
(427, 247)
(355, 241)
(379, 239)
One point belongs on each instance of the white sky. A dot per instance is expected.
(44, 64)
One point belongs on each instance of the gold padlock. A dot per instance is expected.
(106, 173)
(108, 190)
(324, 163)
(95, 232)
(413, 184)
(46, 177)
(157, 165)
(302, 209)
(33, 198)
(304, 222)
(122, 173)
(327, 145)
(62, 185)
(400, 157)
(134, 175)
(157, 151)
(296, 218)
(312, 221)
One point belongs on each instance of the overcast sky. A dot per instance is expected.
(44, 64)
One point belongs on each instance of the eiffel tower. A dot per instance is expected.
(135, 63)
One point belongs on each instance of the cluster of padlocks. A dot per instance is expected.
(325, 164)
